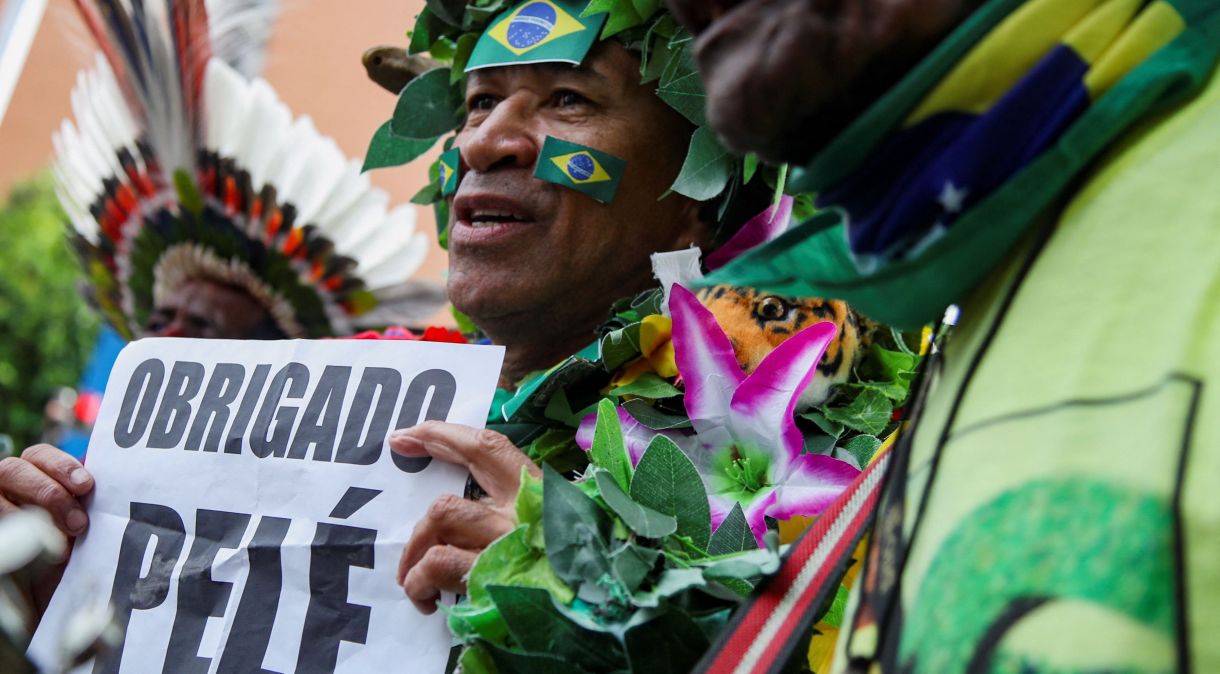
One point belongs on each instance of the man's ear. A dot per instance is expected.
(693, 227)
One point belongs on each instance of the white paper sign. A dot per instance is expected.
(249, 514)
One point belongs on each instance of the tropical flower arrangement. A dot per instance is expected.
(679, 466)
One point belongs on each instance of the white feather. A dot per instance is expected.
(348, 188)
(225, 104)
(240, 30)
(320, 170)
(397, 258)
(263, 130)
(355, 229)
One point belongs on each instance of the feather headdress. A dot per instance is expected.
(179, 167)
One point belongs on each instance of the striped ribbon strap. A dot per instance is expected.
(763, 634)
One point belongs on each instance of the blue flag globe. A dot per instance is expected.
(531, 25)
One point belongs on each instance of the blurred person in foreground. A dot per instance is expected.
(1048, 165)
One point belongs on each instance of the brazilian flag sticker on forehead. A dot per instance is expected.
(537, 31)
(447, 171)
(581, 168)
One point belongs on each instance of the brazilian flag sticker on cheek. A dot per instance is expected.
(537, 31)
(581, 168)
(447, 171)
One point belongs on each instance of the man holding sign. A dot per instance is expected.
(563, 151)
(574, 166)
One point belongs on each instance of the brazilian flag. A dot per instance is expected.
(447, 171)
(581, 168)
(537, 31)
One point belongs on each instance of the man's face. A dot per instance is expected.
(784, 76)
(209, 310)
(527, 256)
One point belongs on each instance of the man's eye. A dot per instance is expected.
(481, 102)
(156, 322)
(565, 99)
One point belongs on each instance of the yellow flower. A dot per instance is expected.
(657, 352)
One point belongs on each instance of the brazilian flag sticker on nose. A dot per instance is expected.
(581, 168)
(447, 171)
(538, 31)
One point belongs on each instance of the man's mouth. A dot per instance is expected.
(486, 219)
(490, 218)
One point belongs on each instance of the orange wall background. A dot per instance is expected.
(313, 62)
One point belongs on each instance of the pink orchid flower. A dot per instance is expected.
(746, 444)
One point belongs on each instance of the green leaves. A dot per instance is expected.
(862, 448)
(620, 346)
(557, 448)
(707, 170)
(386, 149)
(449, 11)
(623, 14)
(733, 534)
(575, 528)
(49, 327)
(648, 385)
(632, 564)
(672, 642)
(428, 107)
(869, 413)
(654, 418)
(667, 482)
(682, 88)
(896, 366)
(537, 625)
(643, 520)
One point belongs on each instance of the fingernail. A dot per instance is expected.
(76, 520)
(79, 477)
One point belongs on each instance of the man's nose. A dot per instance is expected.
(504, 139)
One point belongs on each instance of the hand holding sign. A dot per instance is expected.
(454, 531)
(50, 479)
(53, 480)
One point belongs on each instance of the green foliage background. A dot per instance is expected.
(46, 327)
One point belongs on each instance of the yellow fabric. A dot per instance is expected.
(1155, 27)
(1097, 31)
(1105, 33)
(992, 68)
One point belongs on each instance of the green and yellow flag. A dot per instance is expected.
(581, 168)
(537, 31)
(447, 171)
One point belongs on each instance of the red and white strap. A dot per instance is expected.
(763, 634)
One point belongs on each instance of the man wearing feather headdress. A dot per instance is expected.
(201, 208)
